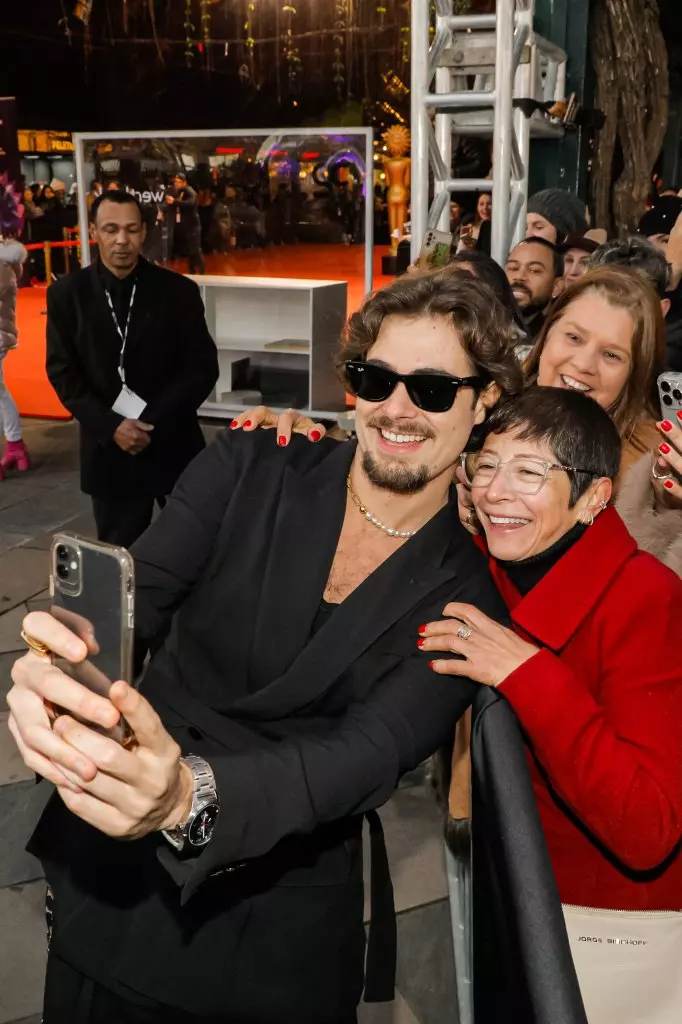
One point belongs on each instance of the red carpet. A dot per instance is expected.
(25, 367)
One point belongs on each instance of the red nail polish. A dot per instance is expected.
(666, 425)
(315, 435)
(679, 415)
(664, 448)
(668, 484)
(431, 664)
(421, 642)
(233, 424)
(422, 629)
(281, 440)
(248, 423)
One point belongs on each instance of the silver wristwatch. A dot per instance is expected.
(197, 828)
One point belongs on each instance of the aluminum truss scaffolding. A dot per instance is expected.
(465, 83)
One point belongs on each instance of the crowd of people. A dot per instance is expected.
(218, 210)
(211, 211)
(320, 615)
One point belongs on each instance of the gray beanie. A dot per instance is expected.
(565, 211)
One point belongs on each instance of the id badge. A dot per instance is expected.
(128, 404)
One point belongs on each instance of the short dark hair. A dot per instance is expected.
(639, 254)
(579, 432)
(558, 256)
(119, 196)
(485, 268)
(487, 331)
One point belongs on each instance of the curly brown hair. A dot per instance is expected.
(486, 328)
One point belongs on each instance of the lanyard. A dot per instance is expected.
(123, 335)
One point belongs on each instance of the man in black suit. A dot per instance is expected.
(284, 591)
(183, 223)
(130, 356)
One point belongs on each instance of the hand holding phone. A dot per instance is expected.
(37, 688)
(125, 793)
(436, 250)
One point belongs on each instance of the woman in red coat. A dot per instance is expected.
(593, 666)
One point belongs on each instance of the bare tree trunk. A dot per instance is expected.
(631, 65)
(658, 87)
(603, 57)
(631, 190)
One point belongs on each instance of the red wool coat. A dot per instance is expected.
(601, 706)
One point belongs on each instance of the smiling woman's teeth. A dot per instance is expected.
(506, 520)
(571, 382)
(401, 438)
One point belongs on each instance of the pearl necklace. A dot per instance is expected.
(373, 519)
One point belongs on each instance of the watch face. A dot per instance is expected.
(201, 829)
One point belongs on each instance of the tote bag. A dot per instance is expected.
(629, 964)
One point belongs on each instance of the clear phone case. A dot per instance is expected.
(92, 592)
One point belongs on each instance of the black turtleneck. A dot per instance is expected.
(120, 289)
(528, 572)
(534, 323)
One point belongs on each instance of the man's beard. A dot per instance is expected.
(398, 479)
(533, 305)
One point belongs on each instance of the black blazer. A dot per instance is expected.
(171, 361)
(304, 734)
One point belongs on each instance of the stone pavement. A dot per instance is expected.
(32, 508)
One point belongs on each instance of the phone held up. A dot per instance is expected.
(435, 251)
(92, 593)
(670, 395)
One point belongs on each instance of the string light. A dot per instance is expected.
(189, 33)
(291, 53)
(339, 39)
(249, 29)
(205, 22)
(405, 36)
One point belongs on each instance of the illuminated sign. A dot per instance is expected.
(39, 141)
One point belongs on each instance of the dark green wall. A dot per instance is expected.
(562, 163)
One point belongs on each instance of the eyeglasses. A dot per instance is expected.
(525, 475)
(432, 392)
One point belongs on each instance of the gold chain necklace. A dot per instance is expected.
(373, 519)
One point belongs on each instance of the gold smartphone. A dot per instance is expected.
(92, 592)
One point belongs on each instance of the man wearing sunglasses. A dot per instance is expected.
(283, 593)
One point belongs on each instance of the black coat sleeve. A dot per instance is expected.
(197, 371)
(67, 375)
(281, 788)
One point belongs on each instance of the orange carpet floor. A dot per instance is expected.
(24, 368)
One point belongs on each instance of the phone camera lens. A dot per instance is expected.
(62, 553)
(677, 395)
(665, 386)
(63, 572)
(667, 400)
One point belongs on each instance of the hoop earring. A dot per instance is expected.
(586, 517)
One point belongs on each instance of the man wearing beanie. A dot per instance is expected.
(554, 214)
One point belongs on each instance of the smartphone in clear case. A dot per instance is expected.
(92, 592)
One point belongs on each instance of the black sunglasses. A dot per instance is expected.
(432, 392)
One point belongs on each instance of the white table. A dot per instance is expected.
(280, 325)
